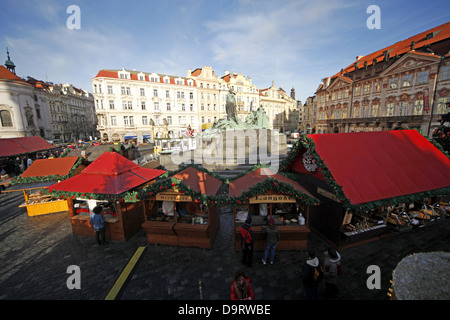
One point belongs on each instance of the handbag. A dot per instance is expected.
(339, 269)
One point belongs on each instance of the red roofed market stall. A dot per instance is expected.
(42, 173)
(113, 182)
(263, 194)
(370, 184)
(181, 210)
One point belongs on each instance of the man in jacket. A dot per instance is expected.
(272, 239)
(311, 275)
(330, 267)
(98, 222)
(247, 242)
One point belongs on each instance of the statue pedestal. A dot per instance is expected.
(231, 149)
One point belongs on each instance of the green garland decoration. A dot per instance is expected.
(307, 143)
(275, 185)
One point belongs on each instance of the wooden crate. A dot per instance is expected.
(37, 209)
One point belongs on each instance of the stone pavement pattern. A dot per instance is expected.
(36, 251)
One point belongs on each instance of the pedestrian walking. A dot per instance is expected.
(241, 288)
(247, 242)
(311, 275)
(98, 222)
(272, 239)
(331, 265)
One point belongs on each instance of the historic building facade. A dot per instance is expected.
(141, 106)
(404, 86)
(281, 108)
(59, 113)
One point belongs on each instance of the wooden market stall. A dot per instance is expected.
(111, 181)
(262, 194)
(177, 211)
(43, 173)
(370, 184)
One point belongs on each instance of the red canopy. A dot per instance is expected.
(15, 146)
(372, 166)
(110, 173)
(199, 181)
(48, 167)
(240, 185)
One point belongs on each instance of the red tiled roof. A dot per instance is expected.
(48, 167)
(243, 184)
(440, 33)
(199, 181)
(380, 165)
(110, 173)
(134, 76)
(5, 74)
(16, 146)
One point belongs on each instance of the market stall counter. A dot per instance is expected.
(113, 182)
(366, 193)
(43, 173)
(262, 194)
(178, 211)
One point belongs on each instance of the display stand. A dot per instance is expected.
(283, 210)
(173, 217)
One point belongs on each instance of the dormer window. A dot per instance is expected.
(124, 74)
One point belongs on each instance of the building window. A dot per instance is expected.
(445, 73)
(123, 91)
(442, 105)
(345, 94)
(393, 83)
(390, 109)
(375, 110)
(366, 88)
(422, 77)
(156, 105)
(407, 81)
(127, 105)
(418, 107)
(131, 120)
(110, 90)
(155, 92)
(377, 87)
(167, 94)
(126, 123)
(113, 120)
(403, 110)
(168, 106)
(111, 104)
(142, 91)
(357, 91)
(169, 120)
(144, 120)
(143, 107)
(5, 118)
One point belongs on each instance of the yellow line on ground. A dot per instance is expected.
(124, 275)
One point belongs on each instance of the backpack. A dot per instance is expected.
(318, 274)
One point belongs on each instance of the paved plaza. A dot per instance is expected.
(35, 253)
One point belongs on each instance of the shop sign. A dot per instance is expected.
(173, 197)
(272, 198)
(327, 194)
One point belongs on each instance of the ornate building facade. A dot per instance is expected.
(404, 86)
(140, 106)
(59, 113)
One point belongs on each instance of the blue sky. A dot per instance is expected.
(293, 43)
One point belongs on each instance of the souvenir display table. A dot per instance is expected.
(176, 212)
(263, 195)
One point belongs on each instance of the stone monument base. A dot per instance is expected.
(230, 150)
